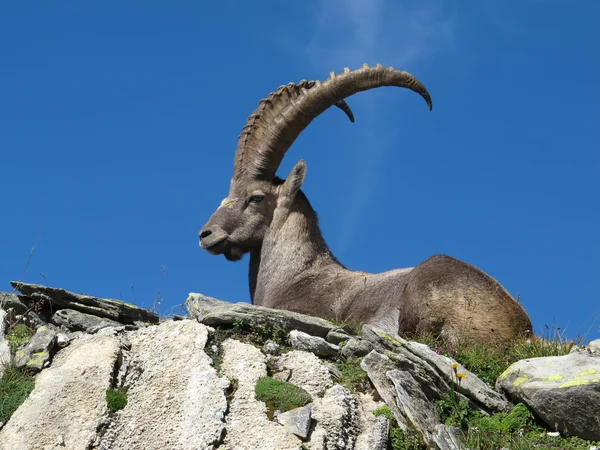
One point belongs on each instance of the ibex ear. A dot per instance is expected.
(292, 184)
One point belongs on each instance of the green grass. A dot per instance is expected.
(489, 363)
(18, 336)
(116, 399)
(15, 387)
(353, 378)
(279, 395)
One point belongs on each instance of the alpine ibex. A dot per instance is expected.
(291, 266)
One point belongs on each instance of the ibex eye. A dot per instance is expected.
(256, 199)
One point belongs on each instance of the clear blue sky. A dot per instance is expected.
(119, 121)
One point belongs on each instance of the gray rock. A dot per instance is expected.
(68, 402)
(62, 340)
(210, 311)
(77, 321)
(336, 416)
(305, 370)
(337, 336)
(175, 398)
(317, 345)
(37, 351)
(14, 301)
(297, 420)
(4, 345)
(108, 308)
(247, 424)
(594, 346)
(271, 347)
(355, 348)
(435, 371)
(377, 366)
(564, 391)
(374, 430)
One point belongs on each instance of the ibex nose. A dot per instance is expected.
(204, 233)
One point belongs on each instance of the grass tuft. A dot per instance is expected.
(116, 399)
(279, 395)
(15, 387)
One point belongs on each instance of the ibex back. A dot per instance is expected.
(291, 266)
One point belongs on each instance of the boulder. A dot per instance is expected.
(210, 311)
(68, 403)
(563, 391)
(57, 298)
(296, 420)
(175, 398)
(313, 344)
(37, 351)
(77, 321)
(356, 347)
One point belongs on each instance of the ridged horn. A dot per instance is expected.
(280, 118)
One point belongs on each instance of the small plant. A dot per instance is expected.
(19, 335)
(279, 395)
(116, 399)
(15, 387)
(353, 376)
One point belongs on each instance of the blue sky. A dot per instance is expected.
(119, 121)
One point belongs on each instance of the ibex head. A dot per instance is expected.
(239, 225)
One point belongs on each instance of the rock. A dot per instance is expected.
(175, 399)
(4, 345)
(77, 321)
(337, 336)
(415, 406)
(374, 430)
(297, 420)
(271, 347)
(210, 311)
(14, 301)
(69, 399)
(313, 344)
(377, 366)
(116, 310)
(305, 370)
(336, 416)
(594, 346)
(434, 372)
(355, 348)
(247, 424)
(62, 340)
(564, 391)
(38, 351)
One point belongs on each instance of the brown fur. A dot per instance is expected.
(292, 268)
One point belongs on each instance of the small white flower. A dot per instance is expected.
(553, 433)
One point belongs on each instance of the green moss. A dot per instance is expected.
(279, 395)
(18, 336)
(15, 387)
(116, 399)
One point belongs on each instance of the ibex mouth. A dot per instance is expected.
(214, 244)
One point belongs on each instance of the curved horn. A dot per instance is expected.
(280, 118)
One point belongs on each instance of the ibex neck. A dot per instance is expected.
(293, 249)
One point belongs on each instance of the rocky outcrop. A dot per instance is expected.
(192, 382)
(175, 397)
(55, 298)
(210, 311)
(68, 403)
(564, 391)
